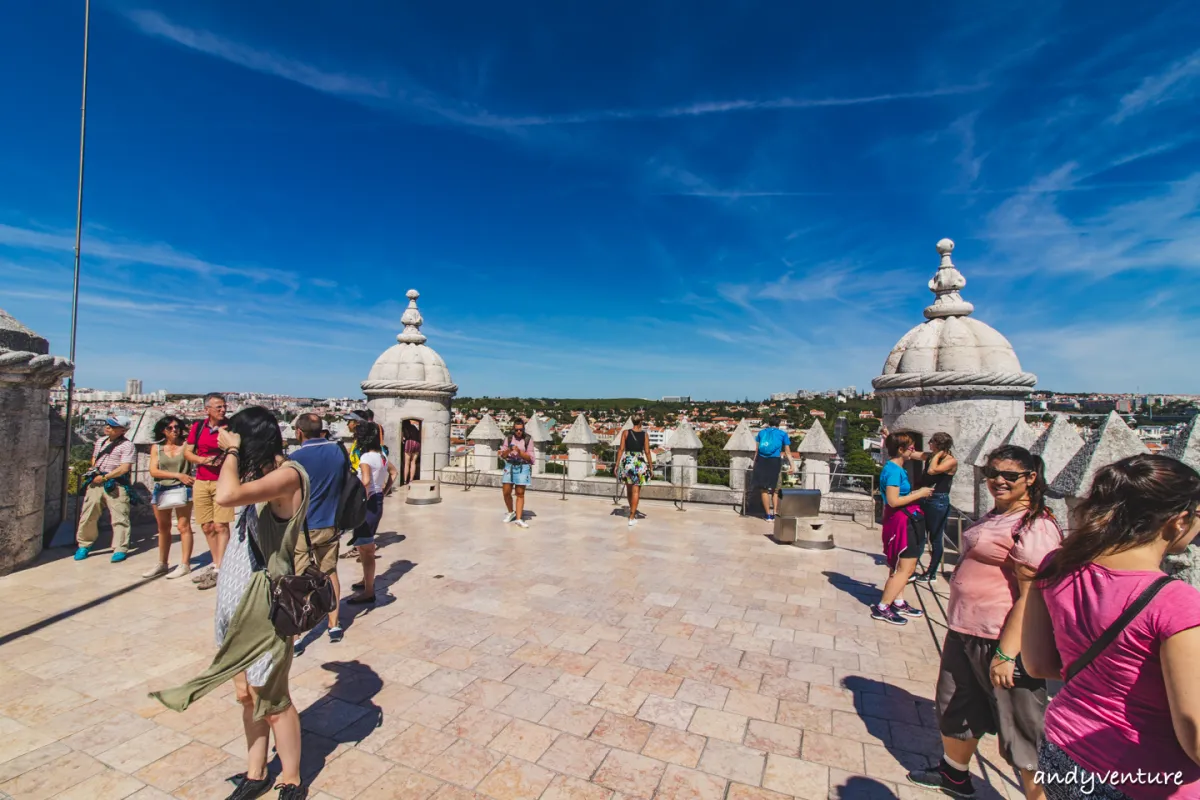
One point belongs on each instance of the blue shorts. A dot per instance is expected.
(518, 474)
(364, 534)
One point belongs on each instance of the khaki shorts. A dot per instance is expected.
(325, 545)
(205, 506)
(969, 706)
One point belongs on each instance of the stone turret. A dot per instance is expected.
(953, 373)
(1112, 442)
(27, 373)
(1057, 446)
(978, 459)
(580, 441)
(741, 448)
(487, 437)
(410, 382)
(818, 451)
(685, 449)
(535, 426)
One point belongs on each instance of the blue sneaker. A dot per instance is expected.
(118, 557)
(905, 610)
(82, 553)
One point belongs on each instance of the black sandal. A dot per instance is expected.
(360, 600)
(248, 789)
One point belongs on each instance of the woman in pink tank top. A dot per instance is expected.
(1127, 723)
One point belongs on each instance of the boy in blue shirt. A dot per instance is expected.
(768, 463)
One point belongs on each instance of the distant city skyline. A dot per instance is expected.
(643, 199)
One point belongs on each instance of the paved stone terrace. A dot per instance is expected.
(577, 660)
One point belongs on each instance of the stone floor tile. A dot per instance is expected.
(751, 645)
(147, 748)
(113, 731)
(485, 692)
(674, 746)
(106, 785)
(632, 775)
(797, 778)
(784, 688)
(705, 695)
(527, 705)
(681, 647)
(463, 764)
(449, 791)
(351, 773)
(615, 652)
(805, 717)
(574, 663)
(574, 756)
(696, 669)
(478, 725)
(737, 678)
(525, 740)
(833, 751)
(679, 783)
(753, 705)
(614, 673)
(537, 679)
(445, 682)
(535, 654)
(657, 660)
(573, 718)
(331, 715)
(513, 779)
(433, 711)
(773, 738)
(409, 671)
(868, 730)
(836, 658)
(740, 791)
(721, 656)
(849, 786)
(401, 783)
(416, 746)
(658, 683)
(894, 765)
(456, 658)
(177, 768)
(149, 793)
(718, 724)
(811, 673)
(496, 668)
(833, 698)
(397, 698)
(574, 688)
(766, 664)
(565, 787)
(625, 732)
(733, 761)
(661, 711)
(574, 643)
(50, 779)
(619, 699)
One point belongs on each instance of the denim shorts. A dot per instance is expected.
(518, 474)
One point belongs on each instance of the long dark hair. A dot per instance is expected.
(942, 441)
(366, 435)
(261, 444)
(160, 428)
(1036, 490)
(1129, 504)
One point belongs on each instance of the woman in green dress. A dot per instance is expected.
(271, 495)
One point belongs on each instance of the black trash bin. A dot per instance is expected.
(799, 503)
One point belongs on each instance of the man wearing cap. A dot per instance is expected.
(112, 459)
(352, 420)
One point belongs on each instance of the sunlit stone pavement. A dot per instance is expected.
(689, 657)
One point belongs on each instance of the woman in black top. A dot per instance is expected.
(634, 465)
(939, 475)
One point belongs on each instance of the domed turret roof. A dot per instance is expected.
(951, 351)
(410, 368)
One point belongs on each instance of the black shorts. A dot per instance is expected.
(766, 472)
(969, 706)
(915, 547)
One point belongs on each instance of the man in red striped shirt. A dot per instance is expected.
(112, 460)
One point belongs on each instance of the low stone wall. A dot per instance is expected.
(857, 506)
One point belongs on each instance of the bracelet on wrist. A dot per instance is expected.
(1002, 656)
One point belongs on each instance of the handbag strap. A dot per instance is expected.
(1114, 630)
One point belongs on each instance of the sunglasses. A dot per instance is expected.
(171, 427)
(991, 473)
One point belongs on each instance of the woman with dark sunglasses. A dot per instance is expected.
(1133, 709)
(982, 686)
(170, 470)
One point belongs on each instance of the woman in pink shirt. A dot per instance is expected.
(982, 687)
(1127, 723)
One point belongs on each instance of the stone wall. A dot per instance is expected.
(434, 416)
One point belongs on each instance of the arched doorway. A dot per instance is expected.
(411, 442)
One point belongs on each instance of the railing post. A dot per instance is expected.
(564, 479)
(466, 485)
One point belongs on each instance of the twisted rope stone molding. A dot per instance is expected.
(418, 389)
(22, 366)
(958, 382)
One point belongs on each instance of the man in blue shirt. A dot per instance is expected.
(326, 463)
(768, 463)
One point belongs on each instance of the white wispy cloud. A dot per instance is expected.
(401, 92)
(153, 253)
(1157, 89)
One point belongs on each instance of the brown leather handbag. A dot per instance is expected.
(299, 602)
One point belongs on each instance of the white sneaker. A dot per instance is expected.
(522, 523)
(510, 516)
(179, 571)
(200, 575)
(632, 522)
(157, 570)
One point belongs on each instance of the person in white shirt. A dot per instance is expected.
(377, 474)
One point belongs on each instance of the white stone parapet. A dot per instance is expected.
(581, 441)
(741, 448)
(685, 449)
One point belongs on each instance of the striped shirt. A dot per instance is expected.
(123, 453)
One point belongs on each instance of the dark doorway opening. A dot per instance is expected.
(411, 433)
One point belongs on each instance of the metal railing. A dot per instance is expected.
(667, 482)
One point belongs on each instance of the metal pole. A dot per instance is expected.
(87, 7)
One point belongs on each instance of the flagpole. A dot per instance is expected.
(66, 473)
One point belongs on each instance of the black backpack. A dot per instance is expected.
(352, 503)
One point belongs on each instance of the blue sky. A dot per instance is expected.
(708, 198)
